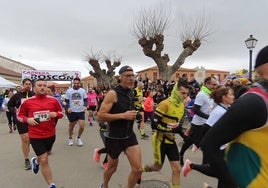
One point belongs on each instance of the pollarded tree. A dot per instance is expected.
(105, 77)
(149, 29)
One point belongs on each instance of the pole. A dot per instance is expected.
(250, 65)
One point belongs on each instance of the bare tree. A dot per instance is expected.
(105, 77)
(149, 29)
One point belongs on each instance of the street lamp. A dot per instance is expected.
(250, 43)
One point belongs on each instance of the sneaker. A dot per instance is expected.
(96, 155)
(186, 167)
(90, 124)
(101, 186)
(52, 185)
(79, 142)
(104, 165)
(35, 166)
(144, 136)
(70, 142)
(27, 164)
(14, 127)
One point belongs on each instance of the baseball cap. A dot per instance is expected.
(124, 69)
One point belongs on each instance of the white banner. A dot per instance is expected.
(50, 75)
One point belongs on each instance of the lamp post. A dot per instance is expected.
(250, 43)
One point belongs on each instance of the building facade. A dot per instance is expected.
(11, 69)
(199, 73)
(89, 82)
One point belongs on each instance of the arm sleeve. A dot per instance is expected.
(197, 111)
(239, 118)
(67, 103)
(85, 102)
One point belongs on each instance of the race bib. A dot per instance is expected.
(42, 115)
(76, 102)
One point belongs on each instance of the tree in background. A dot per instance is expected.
(105, 77)
(149, 29)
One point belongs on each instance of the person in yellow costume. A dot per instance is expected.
(167, 121)
(138, 93)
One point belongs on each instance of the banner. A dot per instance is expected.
(50, 75)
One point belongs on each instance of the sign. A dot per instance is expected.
(50, 75)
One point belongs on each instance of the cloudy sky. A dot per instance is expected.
(58, 34)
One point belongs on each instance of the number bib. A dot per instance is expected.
(76, 102)
(42, 115)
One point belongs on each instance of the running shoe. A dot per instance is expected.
(52, 185)
(27, 164)
(70, 142)
(101, 186)
(79, 142)
(186, 167)
(96, 155)
(35, 166)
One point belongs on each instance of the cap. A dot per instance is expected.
(262, 57)
(124, 69)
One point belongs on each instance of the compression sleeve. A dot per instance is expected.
(197, 111)
(85, 102)
(67, 103)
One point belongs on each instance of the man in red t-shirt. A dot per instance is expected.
(40, 113)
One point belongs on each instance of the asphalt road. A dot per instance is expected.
(73, 166)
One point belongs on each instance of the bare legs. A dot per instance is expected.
(134, 156)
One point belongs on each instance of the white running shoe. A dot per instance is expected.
(70, 142)
(79, 142)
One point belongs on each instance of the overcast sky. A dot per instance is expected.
(58, 34)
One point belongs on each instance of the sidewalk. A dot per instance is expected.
(73, 166)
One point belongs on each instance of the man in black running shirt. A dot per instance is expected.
(13, 105)
(118, 109)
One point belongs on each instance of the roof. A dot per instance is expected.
(8, 72)
(17, 62)
(88, 78)
(156, 68)
(182, 69)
